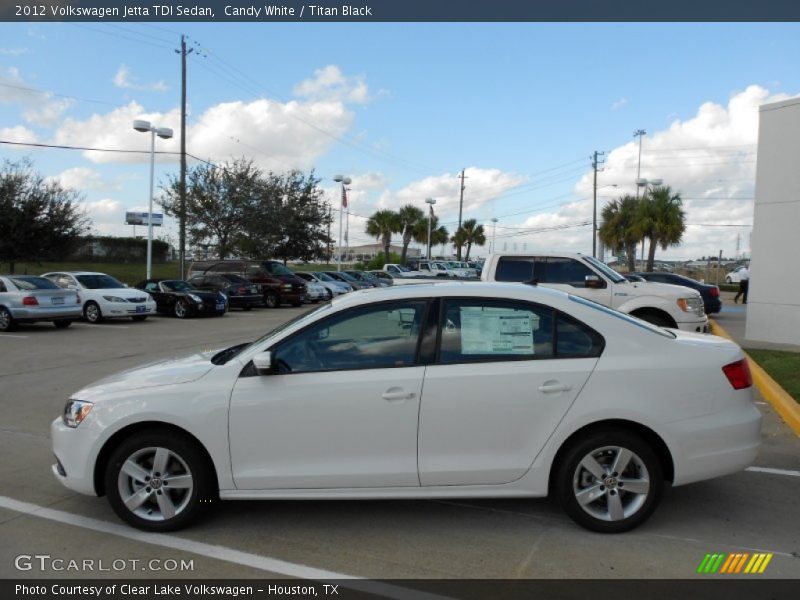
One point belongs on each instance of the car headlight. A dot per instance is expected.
(691, 304)
(75, 412)
(196, 298)
(287, 287)
(114, 299)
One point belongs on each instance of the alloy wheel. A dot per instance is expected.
(92, 312)
(611, 483)
(155, 484)
(180, 309)
(5, 319)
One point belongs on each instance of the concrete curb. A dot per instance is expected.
(781, 401)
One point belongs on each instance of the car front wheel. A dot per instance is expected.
(158, 481)
(271, 300)
(610, 481)
(92, 312)
(6, 320)
(181, 309)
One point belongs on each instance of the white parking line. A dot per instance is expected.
(774, 471)
(8, 335)
(247, 559)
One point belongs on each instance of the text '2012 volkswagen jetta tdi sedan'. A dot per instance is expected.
(428, 391)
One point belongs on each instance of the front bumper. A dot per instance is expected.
(127, 309)
(75, 454)
(697, 325)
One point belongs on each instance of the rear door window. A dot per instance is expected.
(567, 271)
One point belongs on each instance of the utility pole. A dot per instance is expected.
(460, 210)
(182, 191)
(640, 133)
(595, 163)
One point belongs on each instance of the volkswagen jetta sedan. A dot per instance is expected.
(429, 391)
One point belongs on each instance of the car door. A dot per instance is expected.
(341, 408)
(498, 388)
(569, 275)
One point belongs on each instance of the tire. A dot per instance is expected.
(7, 322)
(656, 319)
(92, 312)
(596, 487)
(181, 309)
(62, 323)
(150, 489)
(139, 318)
(271, 300)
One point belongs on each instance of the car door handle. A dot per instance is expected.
(397, 395)
(550, 388)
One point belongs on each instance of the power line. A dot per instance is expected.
(118, 35)
(84, 148)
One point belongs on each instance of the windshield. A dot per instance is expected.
(605, 269)
(99, 282)
(177, 285)
(33, 283)
(625, 317)
(323, 277)
(277, 269)
(234, 278)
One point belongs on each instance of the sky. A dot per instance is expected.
(402, 108)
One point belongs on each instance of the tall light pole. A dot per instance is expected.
(164, 133)
(644, 183)
(345, 181)
(639, 133)
(430, 202)
(494, 231)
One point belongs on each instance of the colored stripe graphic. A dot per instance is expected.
(734, 563)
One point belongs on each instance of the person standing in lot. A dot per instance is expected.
(744, 284)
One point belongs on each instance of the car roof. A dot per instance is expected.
(80, 273)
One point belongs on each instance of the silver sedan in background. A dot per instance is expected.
(27, 299)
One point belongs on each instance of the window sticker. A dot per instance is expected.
(489, 330)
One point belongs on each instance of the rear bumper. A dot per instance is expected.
(47, 313)
(716, 444)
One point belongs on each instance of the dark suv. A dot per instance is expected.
(277, 283)
(710, 293)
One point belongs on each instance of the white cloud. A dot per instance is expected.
(617, 104)
(124, 79)
(79, 178)
(709, 158)
(19, 133)
(329, 83)
(41, 108)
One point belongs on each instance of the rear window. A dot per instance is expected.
(619, 315)
(33, 283)
(514, 269)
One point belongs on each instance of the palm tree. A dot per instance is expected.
(440, 235)
(619, 230)
(410, 218)
(661, 219)
(471, 233)
(382, 225)
(420, 233)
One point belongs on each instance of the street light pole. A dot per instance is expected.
(639, 133)
(430, 202)
(164, 133)
(344, 181)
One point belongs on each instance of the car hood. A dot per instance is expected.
(165, 372)
(121, 292)
(648, 288)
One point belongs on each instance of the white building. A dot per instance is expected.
(773, 313)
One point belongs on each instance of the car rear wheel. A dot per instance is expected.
(158, 481)
(181, 310)
(271, 300)
(6, 320)
(92, 312)
(62, 323)
(610, 481)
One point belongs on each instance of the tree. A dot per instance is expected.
(410, 218)
(39, 219)
(439, 233)
(382, 225)
(660, 218)
(469, 234)
(619, 231)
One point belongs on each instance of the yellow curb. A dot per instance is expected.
(779, 398)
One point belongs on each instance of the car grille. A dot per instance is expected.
(137, 300)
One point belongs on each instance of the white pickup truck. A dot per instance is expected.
(665, 305)
(399, 270)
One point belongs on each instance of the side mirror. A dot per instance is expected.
(263, 362)
(594, 282)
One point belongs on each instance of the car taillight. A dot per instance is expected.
(738, 373)
(30, 301)
(242, 290)
(714, 292)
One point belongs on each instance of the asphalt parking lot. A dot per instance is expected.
(40, 367)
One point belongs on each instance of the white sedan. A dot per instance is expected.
(104, 297)
(426, 391)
